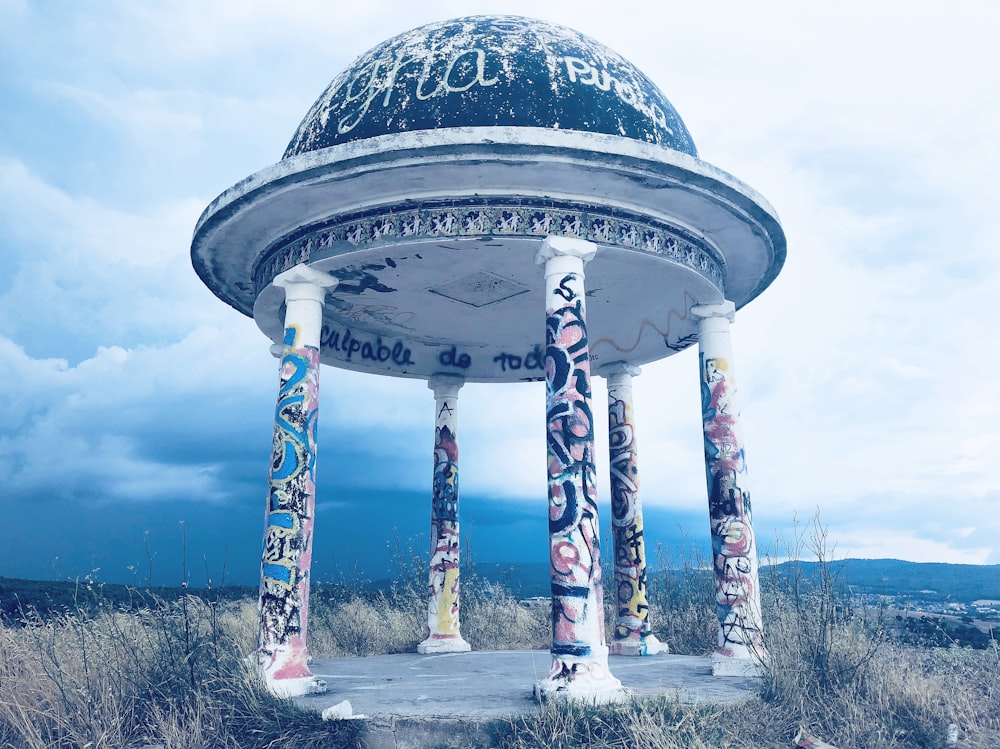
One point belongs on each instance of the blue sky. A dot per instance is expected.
(131, 399)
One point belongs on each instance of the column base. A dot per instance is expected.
(285, 673)
(297, 687)
(729, 665)
(648, 645)
(434, 645)
(584, 678)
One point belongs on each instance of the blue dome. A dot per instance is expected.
(487, 71)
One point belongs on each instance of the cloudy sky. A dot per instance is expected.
(136, 408)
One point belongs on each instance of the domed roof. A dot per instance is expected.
(485, 71)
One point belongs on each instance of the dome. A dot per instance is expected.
(489, 71)
(426, 177)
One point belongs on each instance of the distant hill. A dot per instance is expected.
(20, 599)
(956, 583)
(932, 581)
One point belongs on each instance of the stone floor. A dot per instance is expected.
(412, 700)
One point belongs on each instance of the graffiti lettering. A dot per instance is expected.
(375, 351)
(587, 73)
(451, 358)
(564, 290)
(383, 78)
(534, 359)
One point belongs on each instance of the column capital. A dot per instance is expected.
(724, 309)
(618, 368)
(304, 282)
(554, 246)
(445, 385)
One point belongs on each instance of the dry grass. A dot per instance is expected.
(394, 621)
(173, 675)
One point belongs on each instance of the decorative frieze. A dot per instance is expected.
(492, 218)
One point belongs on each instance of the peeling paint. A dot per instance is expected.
(484, 71)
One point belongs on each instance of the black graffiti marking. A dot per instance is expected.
(736, 627)
(569, 516)
(375, 351)
(728, 501)
(445, 502)
(563, 416)
(681, 343)
(564, 290)
(579, 651)
(534, 359)
(561, 320)
(451, 358)
(570, 591)
(628, 552)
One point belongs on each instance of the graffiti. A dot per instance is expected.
(681, 343)
(733, 548)
(574, 541)
(564, 290)
(445, 493)
(284, 590)
(588, 74)
(632, 622)
(534, 359)
(384, 77)
(384, 314)
(451, 358)
(443, 620)
(673, 318)
(375, 351)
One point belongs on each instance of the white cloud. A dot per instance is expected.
(865, 371)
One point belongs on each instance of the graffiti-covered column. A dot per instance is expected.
(579, 653)
(284, 581)
(443, 622)
(740, 650)
(632, 633)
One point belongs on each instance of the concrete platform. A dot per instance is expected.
(455, 699)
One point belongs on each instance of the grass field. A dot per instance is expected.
(94, 674)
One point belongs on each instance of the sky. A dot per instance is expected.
(136, 408)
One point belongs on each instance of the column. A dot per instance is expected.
(579, 653)
(284, 582)
(740, 649)
(632, 634)
(443, 621)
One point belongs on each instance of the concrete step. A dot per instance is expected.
(412, 701)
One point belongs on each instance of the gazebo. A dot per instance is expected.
(500, 199)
